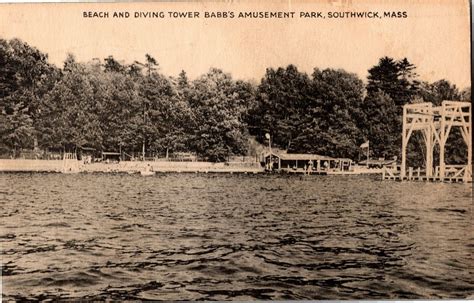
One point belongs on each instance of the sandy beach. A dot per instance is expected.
(24, 165)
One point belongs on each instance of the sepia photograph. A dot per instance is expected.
(236, 151)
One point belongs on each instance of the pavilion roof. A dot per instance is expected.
(287, 156)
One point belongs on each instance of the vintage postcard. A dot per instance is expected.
(236, 150)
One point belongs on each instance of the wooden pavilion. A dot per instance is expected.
(302, 163)
(111, 156)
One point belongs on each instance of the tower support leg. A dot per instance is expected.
(404, 146)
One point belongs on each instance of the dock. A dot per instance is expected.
(452, 174)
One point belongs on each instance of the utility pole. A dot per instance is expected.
(270, 164)
(144, 123)
(368, 149)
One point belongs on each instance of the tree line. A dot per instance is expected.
(108, 105)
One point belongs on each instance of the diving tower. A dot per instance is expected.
(435, 124)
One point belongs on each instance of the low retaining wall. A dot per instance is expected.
(22, 165)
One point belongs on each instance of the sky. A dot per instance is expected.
(435, 36)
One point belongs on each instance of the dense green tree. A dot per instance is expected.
(112, 65)
(118, 106)
(218, 132)
(151, 65)
(91, 106)
(397, 79)
(134, 70)
(16, 128)
(381, 125)
(164, 114)
(70, 112)
(328, 122)
(183, 81)
(25, 77)
(465, 94)
(244, 93)
(281, 96)
(391, 84)
(8, 70)
(438, 91)
(306, 115)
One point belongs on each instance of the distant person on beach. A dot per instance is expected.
(148, 168)
(326, 165)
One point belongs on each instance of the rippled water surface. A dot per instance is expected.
(241, 237)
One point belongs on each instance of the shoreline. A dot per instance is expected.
(135, 167)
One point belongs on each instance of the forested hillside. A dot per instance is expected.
(110, 105)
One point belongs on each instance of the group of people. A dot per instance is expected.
(308, 167)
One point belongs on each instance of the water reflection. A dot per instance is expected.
(241, 237)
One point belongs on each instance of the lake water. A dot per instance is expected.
(240, 237)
